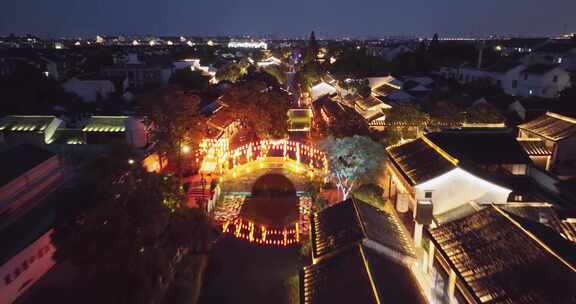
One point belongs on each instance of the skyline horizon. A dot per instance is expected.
(70, 18)
(319, 35)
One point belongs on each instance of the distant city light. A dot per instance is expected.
(248, 44)
(130, 161)
(185, 149)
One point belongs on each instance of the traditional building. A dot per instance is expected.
(31, 129)
(322, 89)
(110, 129)
(515, 78)
(551, 139)
(28, 173)
(93, 88)
(28, 176)
(360, 254)
(440, 172)
(494, 256)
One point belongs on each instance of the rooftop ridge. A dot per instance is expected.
(562, 117)
(440, 151)
(535, 238)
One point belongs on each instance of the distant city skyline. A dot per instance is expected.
(361, 18)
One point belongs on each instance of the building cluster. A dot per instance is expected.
(486, 211)
(36, 154)
(478, 210)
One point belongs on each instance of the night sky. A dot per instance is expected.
(286, 18)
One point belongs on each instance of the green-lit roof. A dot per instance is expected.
(25, 123)
(106, 124)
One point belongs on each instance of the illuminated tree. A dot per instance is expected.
(177, 124)
(232, 72)
(353, 161)
(407, 115)
(307, 75)
(484, 113)
(278, 72)
(445, 113)
(134, 242)
(260, 107)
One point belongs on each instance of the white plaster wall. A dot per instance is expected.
(136, 133)
(89, 90)
(322, 89)
(458, 187)
(38, 259)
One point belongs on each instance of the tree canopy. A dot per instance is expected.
(353, 160)
(278, 72)
(233, 71)
(357, 64)
(444, 113)
(484, 113)
(134, 240)
(308, 74)
(175, 119)
(409, 115)
(262, 108)
(188, 79)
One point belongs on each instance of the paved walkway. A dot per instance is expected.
(240, 272)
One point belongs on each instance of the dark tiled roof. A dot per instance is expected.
(351, 221)
(502, 259)
(20, 159)
(551, 126)
(359, 275)
(331, 107)
(222, 118)
(69, 137)
(385, 90)
(419, 161)
(383, 227)
(340, 279)
(481, 148)
(25, 123)
(394, 282)
(106, 124)
(535, 147)
(547, 214)
(335, 228)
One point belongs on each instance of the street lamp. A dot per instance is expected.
(185, 149)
